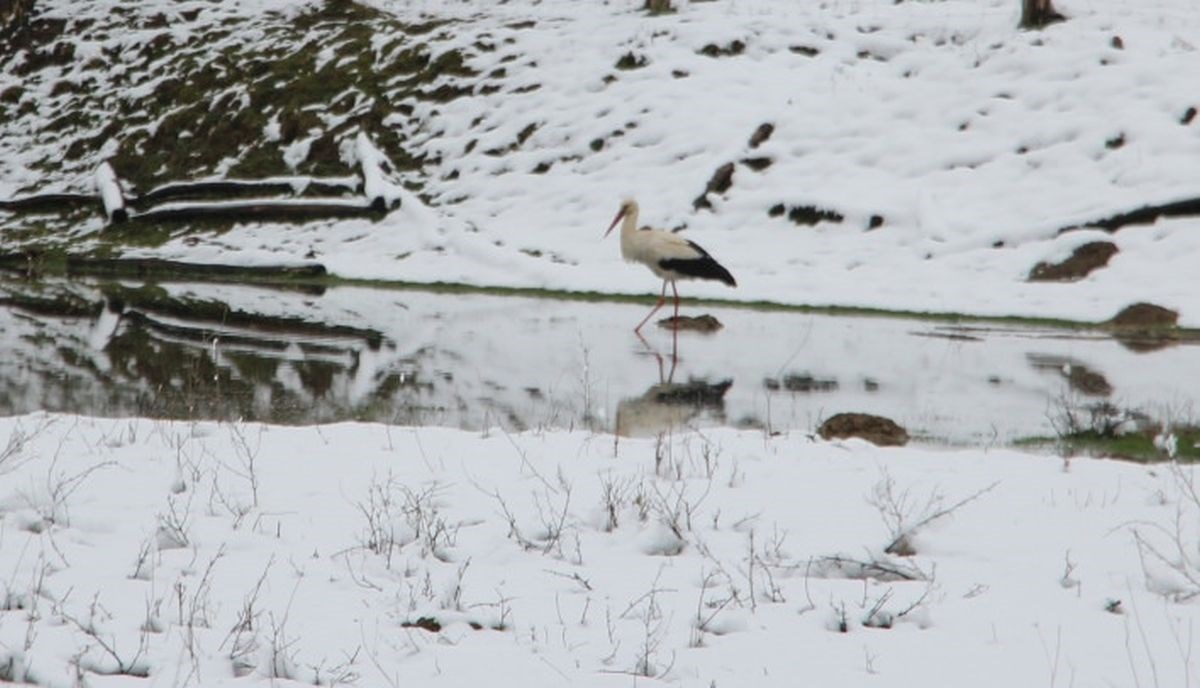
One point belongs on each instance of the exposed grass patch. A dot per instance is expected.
(1106, 430)
(1136, 446)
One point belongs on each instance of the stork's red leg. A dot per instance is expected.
(675, 329)
(662, 298)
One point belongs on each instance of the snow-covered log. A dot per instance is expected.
(381, 191)
(49, 201)
(109, 188)
(227, 188)
(257, 210)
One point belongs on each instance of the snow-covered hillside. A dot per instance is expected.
(939, 149)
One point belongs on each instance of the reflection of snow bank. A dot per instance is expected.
(105, 327)
(363, 382)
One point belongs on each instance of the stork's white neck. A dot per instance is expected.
(629, 228)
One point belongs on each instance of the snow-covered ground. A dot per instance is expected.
(969, 143)
(239, 554)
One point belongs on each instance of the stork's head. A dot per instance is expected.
(628, 207)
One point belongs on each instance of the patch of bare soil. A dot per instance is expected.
(1146, 327)
(875, 429)
(1082, 261)
(694, 323)
(1145, 316)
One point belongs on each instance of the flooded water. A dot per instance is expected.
(476, 361)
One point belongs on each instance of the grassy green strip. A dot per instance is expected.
(308, 278)
(1137, 446)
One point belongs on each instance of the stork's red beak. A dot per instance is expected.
(620, 214)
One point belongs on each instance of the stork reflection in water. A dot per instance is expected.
(668, 405)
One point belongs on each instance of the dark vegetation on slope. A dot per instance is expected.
(13, 16)
(212, 95)
(1147, 214)
(225, 97)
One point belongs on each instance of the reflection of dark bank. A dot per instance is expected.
(301, 277)
(666, 406)
(106, 348)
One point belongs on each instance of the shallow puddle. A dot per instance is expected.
(477, 361)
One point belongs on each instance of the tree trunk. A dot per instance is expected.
(1037, 14)
(13, 14)
(658, 6)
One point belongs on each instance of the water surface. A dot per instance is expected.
(476, 361)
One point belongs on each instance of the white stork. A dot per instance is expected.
(668, 255)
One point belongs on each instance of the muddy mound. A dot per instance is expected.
(1082, 261)
(875, 429)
